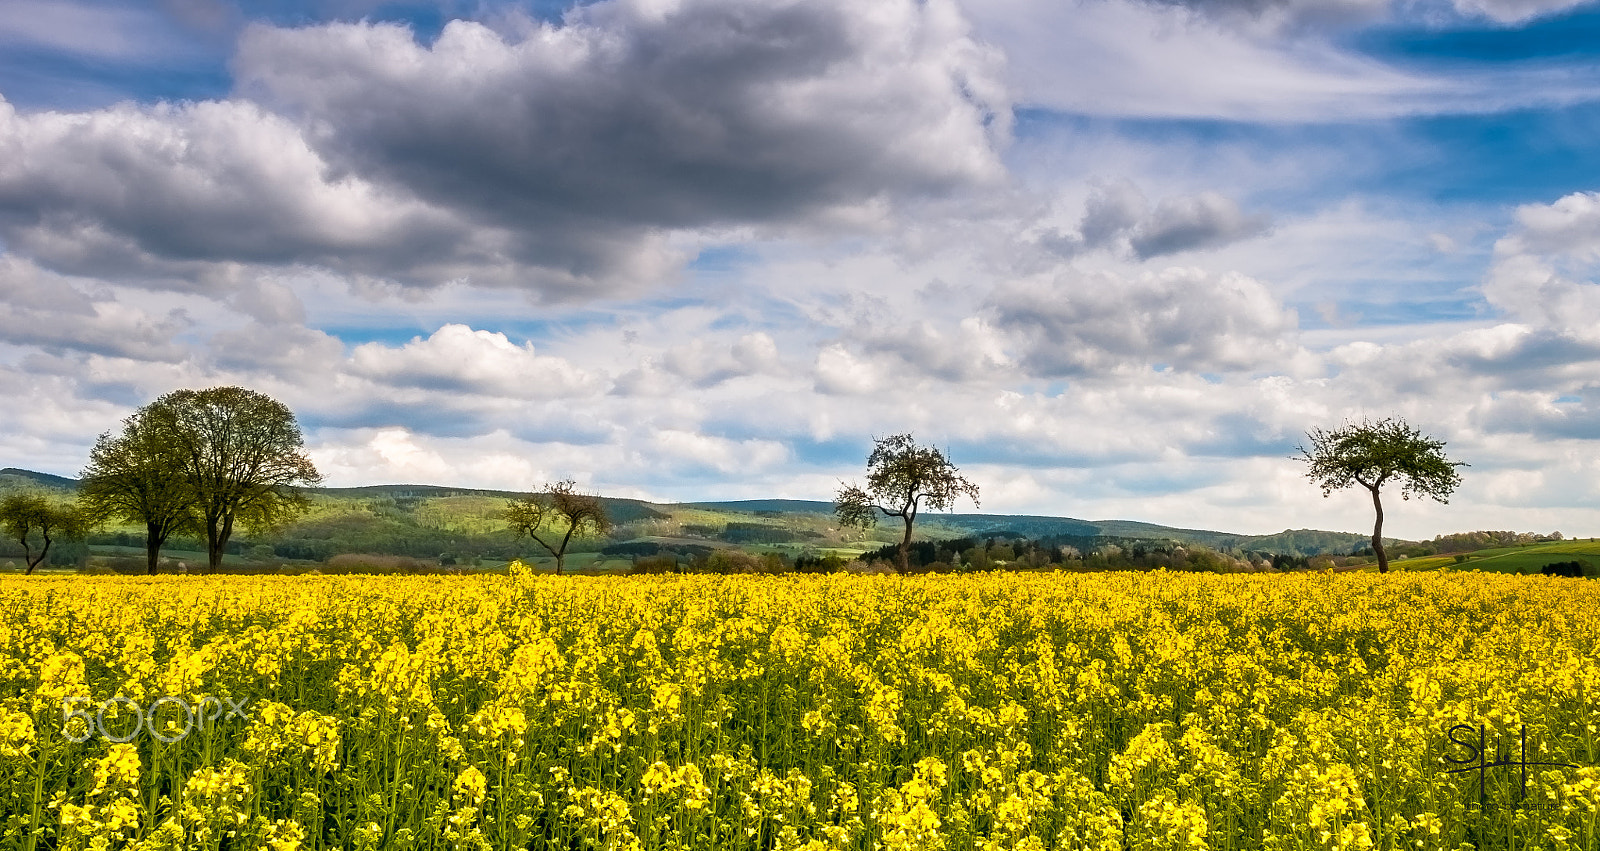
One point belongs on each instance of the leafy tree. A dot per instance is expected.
(902, 478)
(242, 459)
(562, 507)
(139, 477)
(30, 519)
(1372, 454)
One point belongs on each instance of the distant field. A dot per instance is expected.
(1527, 559)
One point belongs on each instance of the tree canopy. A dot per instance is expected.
(568, 512)
(139, 476)
(242, 459)
(1372, 454)
(902, 479)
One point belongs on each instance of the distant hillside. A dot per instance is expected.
(12, 478)
(620, 510)
(1302, 542)
(424, 520)
(782, 506)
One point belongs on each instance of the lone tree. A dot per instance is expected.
(139, 476)
(568, 512)
(902, 478)
(31, 520)
(1372, 454)
(242, 459)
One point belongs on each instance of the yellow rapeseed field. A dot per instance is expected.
(1062, 711)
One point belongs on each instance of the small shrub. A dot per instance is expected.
(861, 568)
(655, 564)
(1573, 569)
(374, 563)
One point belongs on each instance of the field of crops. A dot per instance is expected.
(1095, 711)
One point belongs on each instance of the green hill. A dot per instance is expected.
(425, 521)
(12, 479)
(1529, 558)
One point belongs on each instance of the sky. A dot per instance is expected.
(1115, 257)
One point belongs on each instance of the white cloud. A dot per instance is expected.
(1543, 270)
(456, 358)
(838, 372)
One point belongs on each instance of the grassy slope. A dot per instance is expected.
(1524, 559)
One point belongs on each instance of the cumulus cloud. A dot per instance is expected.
(840, 372)
(1187, 319)
(1113, 209)
(564, 161)
(1543, 270)
(590, 138)
(458, 359)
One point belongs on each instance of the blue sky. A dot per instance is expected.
(1117, 255)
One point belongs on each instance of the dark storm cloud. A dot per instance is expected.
(626, 121)
(560, 161)
(166, 192)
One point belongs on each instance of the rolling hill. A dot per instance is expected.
(426, 521)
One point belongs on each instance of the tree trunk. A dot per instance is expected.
(153, 539)
(217, 542)
(34, 562)
(561, 555)
(905, 548)
(1377, 533)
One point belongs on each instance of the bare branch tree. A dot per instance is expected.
(902, 478)
(568, 512)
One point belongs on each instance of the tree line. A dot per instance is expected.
(208, 462)
(203, 462)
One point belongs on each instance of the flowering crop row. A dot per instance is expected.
(1109, 711)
